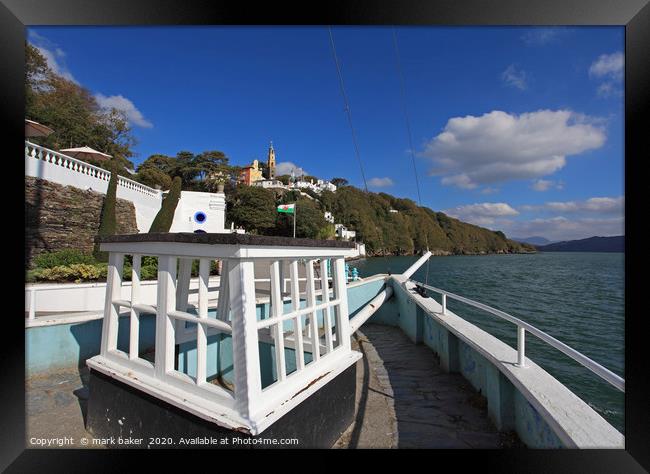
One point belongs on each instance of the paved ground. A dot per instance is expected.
(404, 400)
(409, 396)
(55, 408)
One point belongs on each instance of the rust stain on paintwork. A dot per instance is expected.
(309, 385)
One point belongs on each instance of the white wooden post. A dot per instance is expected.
(164, 324)
(340, 293)
(297, 321)
(223, 304)
(182, 291)
(311, 302)
(202, 329)
(32, 303)
(183, 285)
(521, 346)
(327, 317)
(134, 327)
(111, 312)
(282, 277)
(277, 307)
(248, 385)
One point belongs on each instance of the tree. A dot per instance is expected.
(163, 220)
(74, 114)
(252, 208)
(156, 170)
(338, 182)
(108, 220)
(310, 221)
(284, 179)
(153, 177)
(198, 172)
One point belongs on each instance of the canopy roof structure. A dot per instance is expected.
(35, 129)
(85, 152)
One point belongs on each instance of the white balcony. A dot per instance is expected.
(305, 337)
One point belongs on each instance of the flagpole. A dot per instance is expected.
(295, 209)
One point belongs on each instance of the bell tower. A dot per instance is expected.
(271, 162)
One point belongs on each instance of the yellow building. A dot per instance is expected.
(251, 173)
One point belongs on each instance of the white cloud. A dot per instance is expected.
(608, 65)
(609, 68)
(54, 56)
(561, 228)
(602, 205)
(542, 185)
(285, 167)
(512, 77)
(498, 146)
(460, 180)
(489, 190)
(543, 36)
(484, 214)
(609, 89)
(121, 103)
(380, 182)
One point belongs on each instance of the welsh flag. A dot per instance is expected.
(287, 208)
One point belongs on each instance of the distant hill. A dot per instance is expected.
(535, 240)
(592, 244)
(412, 228)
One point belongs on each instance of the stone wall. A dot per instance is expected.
(59, 217)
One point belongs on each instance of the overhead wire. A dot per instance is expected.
(398, 64)
(347, 109)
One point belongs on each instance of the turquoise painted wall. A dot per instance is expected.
(67, 346)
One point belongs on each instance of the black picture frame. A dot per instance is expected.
(634, 15)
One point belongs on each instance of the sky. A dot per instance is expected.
(514, 129)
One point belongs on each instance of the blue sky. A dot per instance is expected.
(517, 129)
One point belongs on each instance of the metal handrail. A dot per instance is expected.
(522, 327)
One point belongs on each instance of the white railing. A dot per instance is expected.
(73, 165)
(248, 403)
(522, 327)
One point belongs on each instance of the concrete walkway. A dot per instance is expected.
(55, 407)
(405, 400)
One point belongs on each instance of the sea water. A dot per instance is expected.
(576, 297)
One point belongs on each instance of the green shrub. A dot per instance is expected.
(108, 223)
(62, 257)
(77, 272)
(163, 220)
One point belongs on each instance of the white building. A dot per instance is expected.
(329, 217)
(200, 212)
(344, 233)
(326, 186)
(317, 187)
(268, 183)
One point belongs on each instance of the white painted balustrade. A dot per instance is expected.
(310, 328)
(43, 163)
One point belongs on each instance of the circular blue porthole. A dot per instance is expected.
(200, 217)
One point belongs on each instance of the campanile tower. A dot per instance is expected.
(271, 162)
